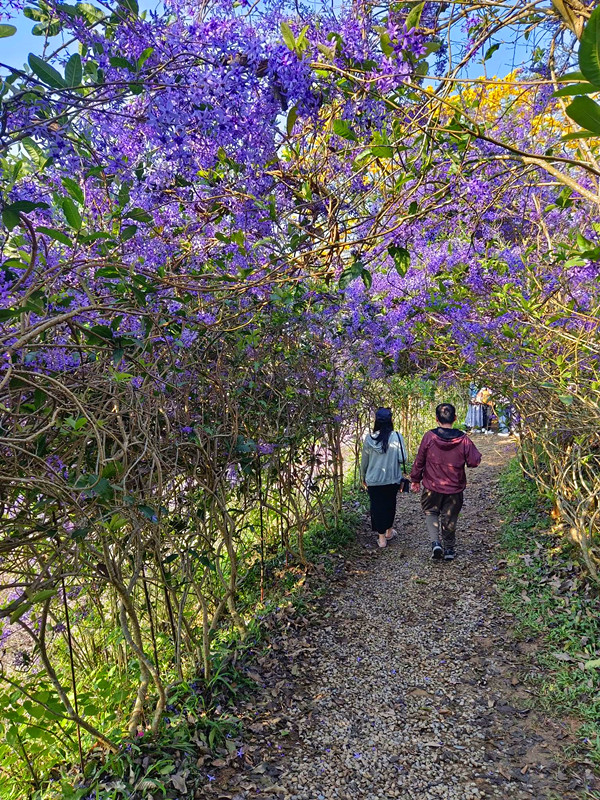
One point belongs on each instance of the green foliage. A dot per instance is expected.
(337, 531)
(583, 110)
(554, 601)
(589, 49)
(586, 113)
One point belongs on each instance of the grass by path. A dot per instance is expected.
(555, 605)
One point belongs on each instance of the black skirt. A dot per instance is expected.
(383, 506)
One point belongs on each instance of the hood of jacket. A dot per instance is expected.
(371, 442)
(448, 438)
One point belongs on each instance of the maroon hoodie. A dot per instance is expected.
(440, 462)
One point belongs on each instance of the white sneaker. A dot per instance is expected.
(504, 434)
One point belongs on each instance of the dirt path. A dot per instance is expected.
(410, 684)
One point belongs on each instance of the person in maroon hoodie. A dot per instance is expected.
(440, 465)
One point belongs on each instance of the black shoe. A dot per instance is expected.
(436, 551)
(448, 554)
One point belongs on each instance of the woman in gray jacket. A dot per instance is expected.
(382, 468)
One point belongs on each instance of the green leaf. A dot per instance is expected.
(144, 56)
(346, 278)
(45, 72)
(10, 218)
(568, 137)
(128, 232)
(576, 88)
(46, 594)
(288, 36)
(130, 5)
(414, 18)
(301, 43)
(34, 151)
(589, 49)
(6, 31)
(21, 609)
(327, 50)
(90, 13)
(50, 28)
(55, 234)
(74, 70)
(74, 189)
(148, 512)
(387, 48)
(138, 214)
(432, 47)
(10, 313)
(593, 664)
(382, 151)
(586, 113)
(367, 278)
(26, 206)
(65, 8)
(71, 213)
(571, 76)
(119, 61)
(342, 128)
(356, 270)
(490, 52)
(401, 258)
(413, 207)
(291, 119)
(35, 14)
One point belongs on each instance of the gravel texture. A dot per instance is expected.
(408, 682)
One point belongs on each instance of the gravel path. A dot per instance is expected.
(409, 685)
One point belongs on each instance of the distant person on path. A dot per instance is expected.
(382, 465)
(474, 420)
(504, 417)
(484, 397)
(440, 464)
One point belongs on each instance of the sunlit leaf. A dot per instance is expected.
(382, 151)
(589, 49)
(586, 113)
(57, 235)
(74, 189)
(575, 89)
(45, 72)
(288, 36)
(490, 52)
(401, 258)
(74, 70)
(414, 18)
(291, 119)
(71, 213)
(342, 128)
(139, 215)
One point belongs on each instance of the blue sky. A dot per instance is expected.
(15, 49)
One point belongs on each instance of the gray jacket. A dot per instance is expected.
(378, 468)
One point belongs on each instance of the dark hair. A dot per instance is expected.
(384, 425)
(445, 413)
